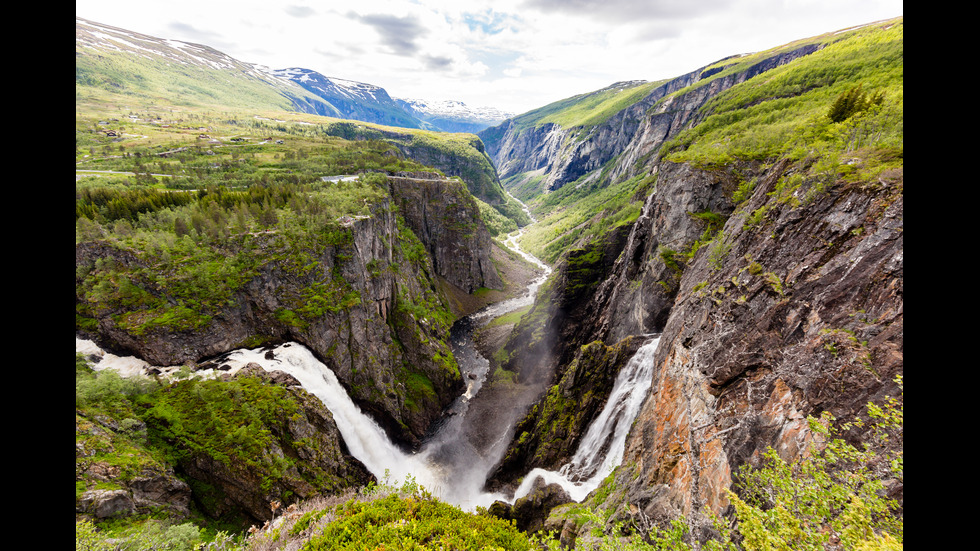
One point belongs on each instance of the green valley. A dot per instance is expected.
(737, 229)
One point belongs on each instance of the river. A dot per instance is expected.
(459, 453)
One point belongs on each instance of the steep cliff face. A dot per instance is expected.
(665, 119)
(441, 213)
(794, 308)
(461, 155)
(515, 151)
(367, 303)
(627, 138)
(604, 295)
(551, 431)
(776, 287)
(797, 313)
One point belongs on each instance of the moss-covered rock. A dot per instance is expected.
(548, 435)
(249, 441)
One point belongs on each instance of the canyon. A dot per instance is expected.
(745, 297)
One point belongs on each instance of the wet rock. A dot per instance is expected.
(531, 512)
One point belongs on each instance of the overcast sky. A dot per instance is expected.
(515, 55)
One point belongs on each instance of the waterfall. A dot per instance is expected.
(448, 471)
(446, 465)
(457, 480)
(601, 449)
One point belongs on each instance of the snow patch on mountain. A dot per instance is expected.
(454, 110)
(335, 96)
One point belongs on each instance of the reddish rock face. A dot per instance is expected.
(784, 316)
(804, 314)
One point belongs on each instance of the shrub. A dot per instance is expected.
(414, 521)
(836, 492)
(853, 101)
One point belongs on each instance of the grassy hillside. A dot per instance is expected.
(114, 132)
(125, 79)
(787, 112)
(586, 110)
(579, 212)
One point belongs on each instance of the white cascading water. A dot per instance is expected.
(365, 439)
(601, 449)
(599, 452)
(444, 467)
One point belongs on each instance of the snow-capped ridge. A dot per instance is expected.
(335, 97)
(454, 109)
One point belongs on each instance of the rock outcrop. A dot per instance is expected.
(795, 307)
(304, 456)
(795, 314)
(320, 462)
(628, 138)
(441, 213)
(368, 303)
(530, 513)
(114, 490)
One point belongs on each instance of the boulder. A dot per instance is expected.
(106, 503)
(531, 511)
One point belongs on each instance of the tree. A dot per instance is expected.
(833, 499)
(835, 496)
(180, 226)
(853, 101)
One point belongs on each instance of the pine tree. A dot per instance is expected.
(853, 101)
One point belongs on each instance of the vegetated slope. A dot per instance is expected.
(115, 67)
(767, 250)
(120, 61)
(454, 154)
(112, 62)
(217, 451)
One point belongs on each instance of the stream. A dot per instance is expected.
(456, 458)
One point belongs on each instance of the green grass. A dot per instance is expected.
(573, 213)
(413, 522)
(784, 112)
(510, 317)
(587, 110)
(129, 79)
(196, 254)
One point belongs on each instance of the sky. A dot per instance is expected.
(515, 55)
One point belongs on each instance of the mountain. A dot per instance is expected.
(737, 214)
(370, 103)
(351, 100)
(123, 61)
(453, 116)
(111, 61)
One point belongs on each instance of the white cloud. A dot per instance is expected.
(511, 54)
